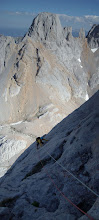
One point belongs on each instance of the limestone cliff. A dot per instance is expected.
(48, 66)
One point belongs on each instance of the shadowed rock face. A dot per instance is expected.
(27, 192)
(93, 36)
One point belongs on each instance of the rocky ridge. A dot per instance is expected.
(26, 191)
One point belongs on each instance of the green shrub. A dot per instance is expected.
(35, 203)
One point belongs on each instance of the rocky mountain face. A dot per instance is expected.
(38, 183)
(43, 78)
(93, 36)
(47, 66)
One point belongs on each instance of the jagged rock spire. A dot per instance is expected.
(82, 33)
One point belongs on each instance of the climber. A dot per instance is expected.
(39, 141)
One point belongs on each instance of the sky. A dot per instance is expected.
(18, 14)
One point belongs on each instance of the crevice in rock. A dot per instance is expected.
(86, 203)
(81, 169)
(59, 151)
(38, 167)
(8, 202)
(21, 50)
(16, 79)
(69, 132)
(38, 61)
(72, 140)
(17, 65)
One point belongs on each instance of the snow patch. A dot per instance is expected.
(86, 97)
(79, 60)
(16, 123)
(94, 50)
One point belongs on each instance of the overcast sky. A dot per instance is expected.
(76, 13)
